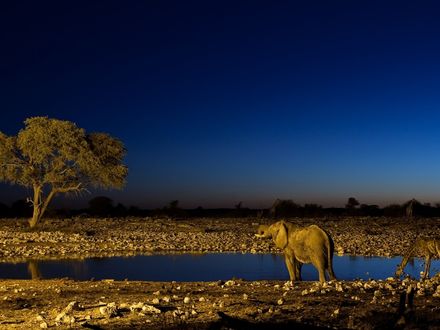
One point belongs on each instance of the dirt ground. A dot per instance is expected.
(233, 304)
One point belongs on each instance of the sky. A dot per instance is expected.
(219, 102)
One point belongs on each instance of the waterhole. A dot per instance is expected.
(205, 267)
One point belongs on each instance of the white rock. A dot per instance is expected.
(136, 307)
(151, 309)
(59, 316)
(110, 310)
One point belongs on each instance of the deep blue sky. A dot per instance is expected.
(225, 101)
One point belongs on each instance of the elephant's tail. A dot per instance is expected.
(330, 251)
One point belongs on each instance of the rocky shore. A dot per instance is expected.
(88, 237)
(232, 304)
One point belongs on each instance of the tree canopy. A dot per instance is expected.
(54, 156)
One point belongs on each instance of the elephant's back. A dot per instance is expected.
(316, 233)
(316, 230)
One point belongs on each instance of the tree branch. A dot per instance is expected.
(67, 189)
(47, 201)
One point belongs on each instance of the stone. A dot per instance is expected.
(151, 309)
(136, 307)
(60, 316)
(110, 310)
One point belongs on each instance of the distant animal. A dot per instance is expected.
(427, 247)
(409, 210)
(301, 245)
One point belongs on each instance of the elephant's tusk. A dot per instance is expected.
(259, 235)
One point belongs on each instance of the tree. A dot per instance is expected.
(283, 208)
(120, 210)
(101, 206)
(238, 205)
(54, 156)
(4, 210)
(370, 210)
(173, 205)
(20, 208)
(352, 203)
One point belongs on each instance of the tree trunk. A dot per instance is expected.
(35, 217)
(37, 207)
(47, 201)
(40, 205)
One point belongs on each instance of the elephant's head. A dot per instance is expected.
(277, 231)
(263, 232)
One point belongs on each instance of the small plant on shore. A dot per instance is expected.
(54, 156)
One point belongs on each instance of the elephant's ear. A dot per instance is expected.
(280, 238)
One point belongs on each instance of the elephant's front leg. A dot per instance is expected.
(290, 266)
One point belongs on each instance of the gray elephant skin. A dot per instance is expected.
(301, 245)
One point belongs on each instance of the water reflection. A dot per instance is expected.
(204, 267)
(33, 269)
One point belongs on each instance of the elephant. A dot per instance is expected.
(301, 245)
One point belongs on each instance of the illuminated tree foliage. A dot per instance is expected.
(54, 156)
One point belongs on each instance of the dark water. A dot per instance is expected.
(205, 267)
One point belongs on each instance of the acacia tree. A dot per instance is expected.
(352, 203)
(53, 156)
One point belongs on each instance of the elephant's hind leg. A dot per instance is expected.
(298, 266)
(320, 266)
(331, 274)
